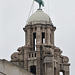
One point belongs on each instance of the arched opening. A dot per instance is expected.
(34, 41)
(33, 69)
(43, 37)
(62, 72)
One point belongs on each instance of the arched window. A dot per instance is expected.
(43, 37)
(34, 41)
(62, 72)
(33, 69)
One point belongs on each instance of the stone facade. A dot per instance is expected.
(40, 56)
(7, 68)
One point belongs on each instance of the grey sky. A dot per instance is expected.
(13, 17)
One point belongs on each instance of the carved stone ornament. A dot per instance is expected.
(48, 51)
(20, 49)
(65, 59)
(15, 56)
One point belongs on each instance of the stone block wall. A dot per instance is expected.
(7, 68)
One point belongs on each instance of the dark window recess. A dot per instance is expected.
(35, 54)
(62, 72)
(32, 55)
(33, 69)
(50, 38)
(34, 41)
(43, 37)
(29, 56)
(54, 71)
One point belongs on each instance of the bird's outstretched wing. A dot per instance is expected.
(40, 2)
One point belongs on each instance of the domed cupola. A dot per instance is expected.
(39, 17)
(40, 56)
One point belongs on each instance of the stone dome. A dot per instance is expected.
(39, 17)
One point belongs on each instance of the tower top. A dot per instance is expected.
(40, 56)
(40, 3)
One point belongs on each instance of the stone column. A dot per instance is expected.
(66, 68)
(52, 37)
(48, 36)
(49, 65)
(38, 69)
(57, 71)
(66, 73)
(28, 36)
(25, 58)
(32, 36)
(38, 35)
(25, 30)
(56, 67)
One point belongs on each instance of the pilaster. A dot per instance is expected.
(52, 37)
(39, 70)
(38, 35)
(48, 35)
(26, 58)
(49, 65)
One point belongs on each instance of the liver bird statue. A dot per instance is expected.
(40, 3)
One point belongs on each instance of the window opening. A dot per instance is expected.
(35, 54)
(35, 44)
(29, 56)
(54, 71)
(34, 41)
(32, 55)
(62, 73)
(43, 37)
(33, 69)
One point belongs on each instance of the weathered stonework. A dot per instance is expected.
(40, 56)
(8, 68)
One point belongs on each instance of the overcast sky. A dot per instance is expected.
(13, 17)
